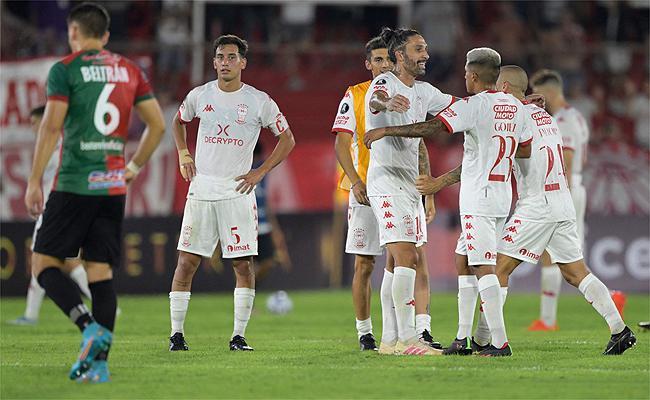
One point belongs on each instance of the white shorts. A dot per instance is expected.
(526, 241)
(363, 231)
(400, 219)
(233, 222)
(478, 238)
(579, 196)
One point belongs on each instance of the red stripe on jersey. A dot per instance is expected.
(337, 130)
(453, 100)
(58, 97)
(526, 143)
(69, 58)
(180, 119)
(444, 121)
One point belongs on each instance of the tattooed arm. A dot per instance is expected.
(428, 185)
(424, 167)
(421, 129)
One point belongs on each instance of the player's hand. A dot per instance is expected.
(129, 176)
(398, 103)
(281, 251)
(248, 181)
(186, 165)
(537, 99)
(373, 135)
(359, 192)
(426, 184)
(34, 200)
(429, 208)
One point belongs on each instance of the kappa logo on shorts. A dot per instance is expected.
(469, 237)
(470, 247)
(388, 214)
(408, 225)
(390, 225)
(508, 238)
(527, 253)
(386, 205)
(468, 225)
(187, 234)
(516, 221)
(360, 238)
(468, 217)
(512, 229)
(490, 256)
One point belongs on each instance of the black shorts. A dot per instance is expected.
(73, 222)
(265, 247)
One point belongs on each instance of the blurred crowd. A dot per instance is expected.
(600, 47)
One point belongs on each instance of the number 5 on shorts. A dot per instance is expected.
(233, 232)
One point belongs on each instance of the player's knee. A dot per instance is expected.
(406, 257)
(574, 272)
(363, 265)
(461, 265)
(243, 267)
(187, 266)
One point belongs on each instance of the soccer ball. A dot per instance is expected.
(279, 302)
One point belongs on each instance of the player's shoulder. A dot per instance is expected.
(259, 95)
(359, 88)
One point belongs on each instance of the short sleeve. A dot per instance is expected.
(143, 91)
(345, 120)
(461, 115)
(58, 86)
(438, 101)
(382, 84)
(272, 118)
(187, 109)
(569, 132)
(527, 133)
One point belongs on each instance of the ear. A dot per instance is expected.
(105, 37)
(399, 55)
(214, 63)
(368, 66)
(244, 61)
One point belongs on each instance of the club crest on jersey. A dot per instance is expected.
(242, 111)
(359, 238)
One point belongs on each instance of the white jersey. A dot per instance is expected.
(575, 135)
(544, 194)
(229, 128)
(394, 160)
(494, 124)
(50, 170)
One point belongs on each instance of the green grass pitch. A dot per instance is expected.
(312, 353)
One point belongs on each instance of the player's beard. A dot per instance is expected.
(412, 67)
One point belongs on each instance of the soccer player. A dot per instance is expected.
(220, 204)
(363, 231)
(72, 266)
(397, 98)
(544, 218)
(575, 137)
(494, 124)
(90, 95)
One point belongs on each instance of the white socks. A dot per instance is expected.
(78, 274)
(597, 294)
(404, 301)
(364, 327)
(551, 284)
(35, 295)
(244, 298)
(492, 304)
(467, 295)
(422, 323)
(389, 321)
(178, 303)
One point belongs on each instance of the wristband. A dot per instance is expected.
(133, 167)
